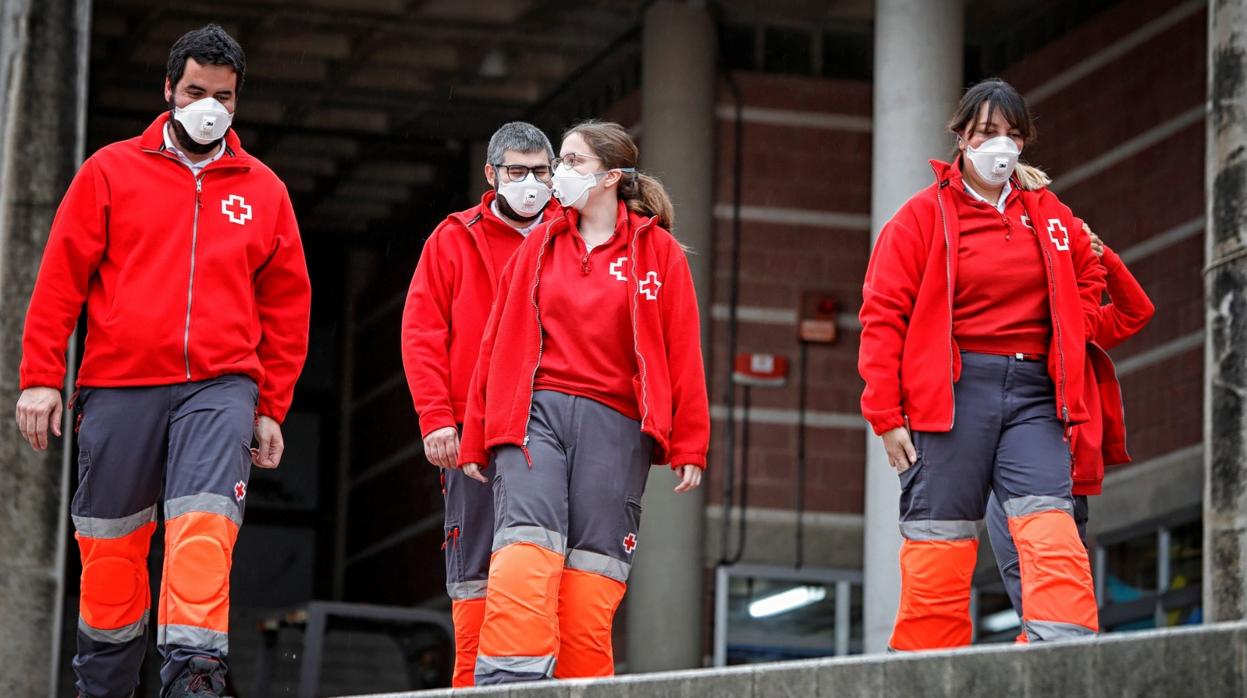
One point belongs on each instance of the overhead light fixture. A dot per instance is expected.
(786, 601)
(1000, 621)
(494, 64)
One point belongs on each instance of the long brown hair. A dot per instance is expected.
(641, 192)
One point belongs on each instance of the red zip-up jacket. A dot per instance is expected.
(447, 305)
(1101, 440)
(671, 386)
(185, 277)
(908, 357)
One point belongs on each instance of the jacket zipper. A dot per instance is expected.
(636, 345)
(532, 384)
(190, 285)
(948, 271)
(1056, 325)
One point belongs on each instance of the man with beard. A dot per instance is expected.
(447, 306)
(186, 252)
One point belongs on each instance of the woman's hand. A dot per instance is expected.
(1097, 245)
(690, 478)
(473, 470)
(900, 448)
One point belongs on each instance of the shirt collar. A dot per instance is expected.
(999, 205)
(171, 145)
(524, 231)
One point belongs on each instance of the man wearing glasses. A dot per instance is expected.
(447, 306)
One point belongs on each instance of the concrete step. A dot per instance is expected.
(1208, 661)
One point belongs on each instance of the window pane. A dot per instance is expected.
(1130, 569)
(848, 56)
(1186, 563)
(738, 47)
(788, 51)
(770, 620)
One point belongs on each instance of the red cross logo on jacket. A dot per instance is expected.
(629, 543)
(237, 209)
(240, 490)
(649, 286)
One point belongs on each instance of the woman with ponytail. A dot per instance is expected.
(590, 370)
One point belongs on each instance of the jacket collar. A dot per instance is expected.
(949, 174)
(627, 222)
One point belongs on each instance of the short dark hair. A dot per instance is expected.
(208, 45)
(1001, 96)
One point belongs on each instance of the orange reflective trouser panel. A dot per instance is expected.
(193, 440)
(566, 527)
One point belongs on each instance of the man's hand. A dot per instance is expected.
(690, 478)
(268, 435)
(473, 470)
(441, 447)
(900, 448)
(37, 409)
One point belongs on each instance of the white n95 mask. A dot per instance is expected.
(205, 120)
(526, 197)
(995, 159)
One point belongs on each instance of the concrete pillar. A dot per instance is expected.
(677, 145)
(918, 69)
(1225, 374)
(43, 71)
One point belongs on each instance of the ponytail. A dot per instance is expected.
(645, 195)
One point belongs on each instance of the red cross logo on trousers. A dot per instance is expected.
(629, 543)
(240, 490)
(237, 209)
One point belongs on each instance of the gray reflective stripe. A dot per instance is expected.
(191, 636)
(940, 530)
(115, 635)
(598, 564)
(1049, 630)
(206, 503)
(492, 670)
(467, 590)
(92, 527)
(550, 540)
(1025, 506)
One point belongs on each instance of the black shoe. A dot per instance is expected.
(204, 677)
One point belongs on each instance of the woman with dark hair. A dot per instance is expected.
(590, 370)
(979, 298)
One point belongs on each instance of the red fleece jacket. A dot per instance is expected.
(185, 277)
(671, 386)
(448, 303)
(908, 357)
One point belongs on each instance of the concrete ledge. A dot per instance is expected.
(1208, 661)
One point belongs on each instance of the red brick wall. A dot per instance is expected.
(810, 169)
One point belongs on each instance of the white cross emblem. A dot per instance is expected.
(650, 285)
(617, 268)
(237, 208)
(1063, 243)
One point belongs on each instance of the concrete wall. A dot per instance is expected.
(1209, 661)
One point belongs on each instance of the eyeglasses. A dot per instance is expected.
(516, 173)
(574, 160)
